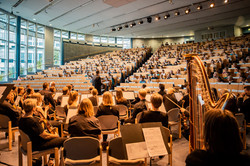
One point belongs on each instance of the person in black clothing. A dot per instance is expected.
(162, 90)
(97, 83)
(47, 95)
(244, 103)
(65, 91)
(107, 108)
(7, 109)
(40, 138)
(84, 123)
(170, 100)
(94, 98)
(139, 107)
(222, 142)
(155, 115)
(120, 99)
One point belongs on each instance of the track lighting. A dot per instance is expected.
(166, 16)
(226, 1)
(157, 18)
(119, 28)
(140, 22)
(149, 19)
(113, 29)
(199, 7)
(187, 11)
(212, 5)
(126, 26)
(132, 24)
(177, 13)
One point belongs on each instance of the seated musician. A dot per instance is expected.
(84, 123)
(65, 92)
(155, 115)
(30, 125)
(120, 99)
(223, 144)
(94, 98)
(72, 101)
(47, 95)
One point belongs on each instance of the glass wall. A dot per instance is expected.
(32, 47)
(7, 46)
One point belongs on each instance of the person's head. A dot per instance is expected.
(97, 72)
(65, 90)
(52, 89)
(91, 88)
(221, 133)
(29, 105)
(73, 97)
(142, 94)
(107, 98)
(170, 91)
(86, 108)
(156, 101)
(247, 90)
(69, 87)
(94, 92)
(119, 94)
(45, 86)
(29, 91)
(144, 86)
(20, 90)
(161, 87)
(10, 96)
(38, 97)
(52, 84)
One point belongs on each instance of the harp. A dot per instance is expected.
(200, 100)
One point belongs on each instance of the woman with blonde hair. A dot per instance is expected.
(120, 99)
(72, 101)
(84, 123)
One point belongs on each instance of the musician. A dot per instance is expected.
(47, 95)
(244, 103)
(21, 95)
(139, 107)
(170, 100)
(223, 144)
(120, 99)
(41, 139)
(72, 101)
(162, 90)
(65, 92)
(94, 98)
(155, 115)
(84, 123)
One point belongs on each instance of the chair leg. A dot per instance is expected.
(56, 157)
(20, 155)
(13, 136)
(179, 127)
(45, 159)
(10, 135)
(29, 154)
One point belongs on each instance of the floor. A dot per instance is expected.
(180, 151)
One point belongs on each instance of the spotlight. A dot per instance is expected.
(132, 24)
(199, 7)
(177, 13)
(149, 19)
(140, 22)
(119, 28)
(226, 1)
(157, 18)
(211, 5)
(126, 26)
(113, 29)
(187, 11)
(166, 16)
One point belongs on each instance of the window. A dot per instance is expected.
(96, 39)
(73, 35)
(111, 40)
(65, 34)
(104, 39)
(119, 41)
(80, 36)
(127, 43)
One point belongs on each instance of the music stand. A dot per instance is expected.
(4, 91)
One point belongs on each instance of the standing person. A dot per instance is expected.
(97, 82)
(41, 139)
(84, 123)
(222, 142)
(155, 115)
(244, 103)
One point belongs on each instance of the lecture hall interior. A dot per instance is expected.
(124, 82)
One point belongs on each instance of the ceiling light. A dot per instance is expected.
(113, 29)
(157, 18)
(211, 5)
(126, 26)
(226, 1)
(119, 28)
(166, 16)
(149, 19)
(140, 22)
(50, 24)
(177, 13)
(187, 11)
(199, 7)
(132, 24)
(34, 19)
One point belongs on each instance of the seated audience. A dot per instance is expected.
(155, 115)
(244, 103)
(94, 98)
(222, 142)
(84, 123)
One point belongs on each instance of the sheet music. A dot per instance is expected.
(154, 141)
(64, 101)
(137, 150)
(129, 95)
(57, 95)
(178, 96)
(99, 100)
(148, 97)
(71, 113)
(17, 100)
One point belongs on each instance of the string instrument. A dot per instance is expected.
(200, 100)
